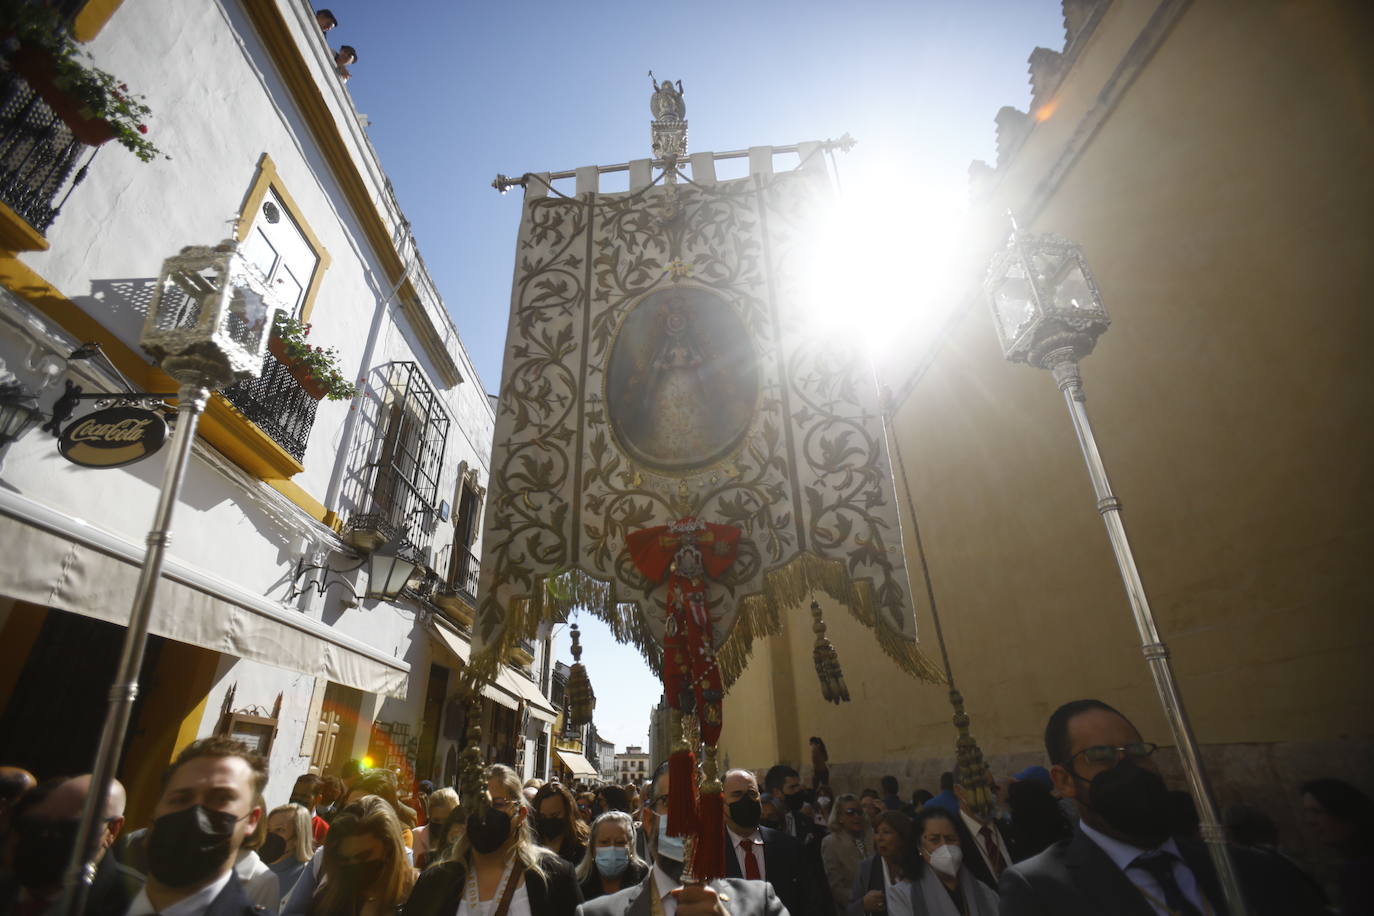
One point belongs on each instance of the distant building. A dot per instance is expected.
(604, 759)
(632, 766)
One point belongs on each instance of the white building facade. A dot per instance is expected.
(632, 766)
(261, 628)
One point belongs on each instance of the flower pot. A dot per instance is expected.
(299, 370)
(39, 70)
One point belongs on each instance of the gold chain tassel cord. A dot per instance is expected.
(827, 660)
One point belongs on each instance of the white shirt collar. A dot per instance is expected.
(1121, 852)
(755, 836)
(664, 884)
(193, 905)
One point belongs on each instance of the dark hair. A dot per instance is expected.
(920, 797)
(221, 746)
(352, 769)
(1057, 729)
(868, 793)
(349, 49)
(307, 786)
(1247, 825)
(777, 775)
(910, 858)
(334, 20)
(926, 815)
(1347, 804)
(889, 784)
(573, 824)
(615, 798)
(947, 781)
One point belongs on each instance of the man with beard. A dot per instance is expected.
(206, 810)
(1121, 859)
(784, 785)
(662, 892)
(45, 825)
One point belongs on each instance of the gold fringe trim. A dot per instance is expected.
(789, 586)
(759, 616)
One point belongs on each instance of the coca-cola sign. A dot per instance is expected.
(113, 437)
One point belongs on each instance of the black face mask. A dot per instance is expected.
(273, 848)
(1133, 801)
(746, 812)
(188, 846)
(43, 850)
(356, 877)
(794, 801)
(550, 828)
(487, 833)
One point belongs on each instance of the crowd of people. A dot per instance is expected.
(1097, 832)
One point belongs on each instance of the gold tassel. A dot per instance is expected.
(827, 661)
(581, 699)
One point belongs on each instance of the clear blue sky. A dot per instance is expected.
(457, 92)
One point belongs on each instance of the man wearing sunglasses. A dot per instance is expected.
(1121, 858)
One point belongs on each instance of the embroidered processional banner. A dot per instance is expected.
(658, 375)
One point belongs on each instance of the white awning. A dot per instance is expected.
(578, 764)
(54, 560)
(450, 639)
(527, 690)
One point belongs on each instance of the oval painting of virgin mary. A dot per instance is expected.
(682, 382)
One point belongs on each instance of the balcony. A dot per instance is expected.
(38, 164)
(456, 592)
(277, 404)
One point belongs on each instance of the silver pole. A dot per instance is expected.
(1066, 373)
(81, 871)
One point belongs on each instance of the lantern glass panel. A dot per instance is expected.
(1071, 290)
(248, 316)
(183, 297)
(1014, 302)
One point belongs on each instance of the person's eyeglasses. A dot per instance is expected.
(659, 802)
(502, 803)
(1108, 754)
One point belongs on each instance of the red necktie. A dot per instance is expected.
(994, 852)
(751, 863)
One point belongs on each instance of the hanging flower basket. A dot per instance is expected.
(39, 70)
(315, 368)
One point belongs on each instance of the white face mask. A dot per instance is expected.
(947, 859)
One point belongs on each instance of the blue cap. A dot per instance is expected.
(1036, 773)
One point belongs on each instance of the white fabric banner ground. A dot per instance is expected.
(657, 368)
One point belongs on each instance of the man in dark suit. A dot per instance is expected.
(784, 785)
(723, 897)
(986, 853)
(44, 827)
(210, 804)
(759, 853)
(1121, 859)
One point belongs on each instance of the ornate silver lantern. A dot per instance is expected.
(1048, 313)
(211, 316)
(207, 327)
(1043, 299)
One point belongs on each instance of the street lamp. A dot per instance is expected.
(207, 327)
(1048, 313)
(388, 574)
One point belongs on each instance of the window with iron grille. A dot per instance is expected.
(412, 433)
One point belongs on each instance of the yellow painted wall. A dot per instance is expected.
(1225, 209)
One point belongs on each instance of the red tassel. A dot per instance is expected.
(709, 860)
(682, 794)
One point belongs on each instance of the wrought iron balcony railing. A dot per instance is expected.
(462, 573)
(38, 154)
(278, 405)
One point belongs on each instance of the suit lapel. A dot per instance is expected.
(731, 857)
(1199, 862)
(639, 899)
(1097, 878)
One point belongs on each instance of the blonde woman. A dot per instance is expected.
(496, 867)
(366, 871)
(287, 856)
(610, 863)
(440, 805)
